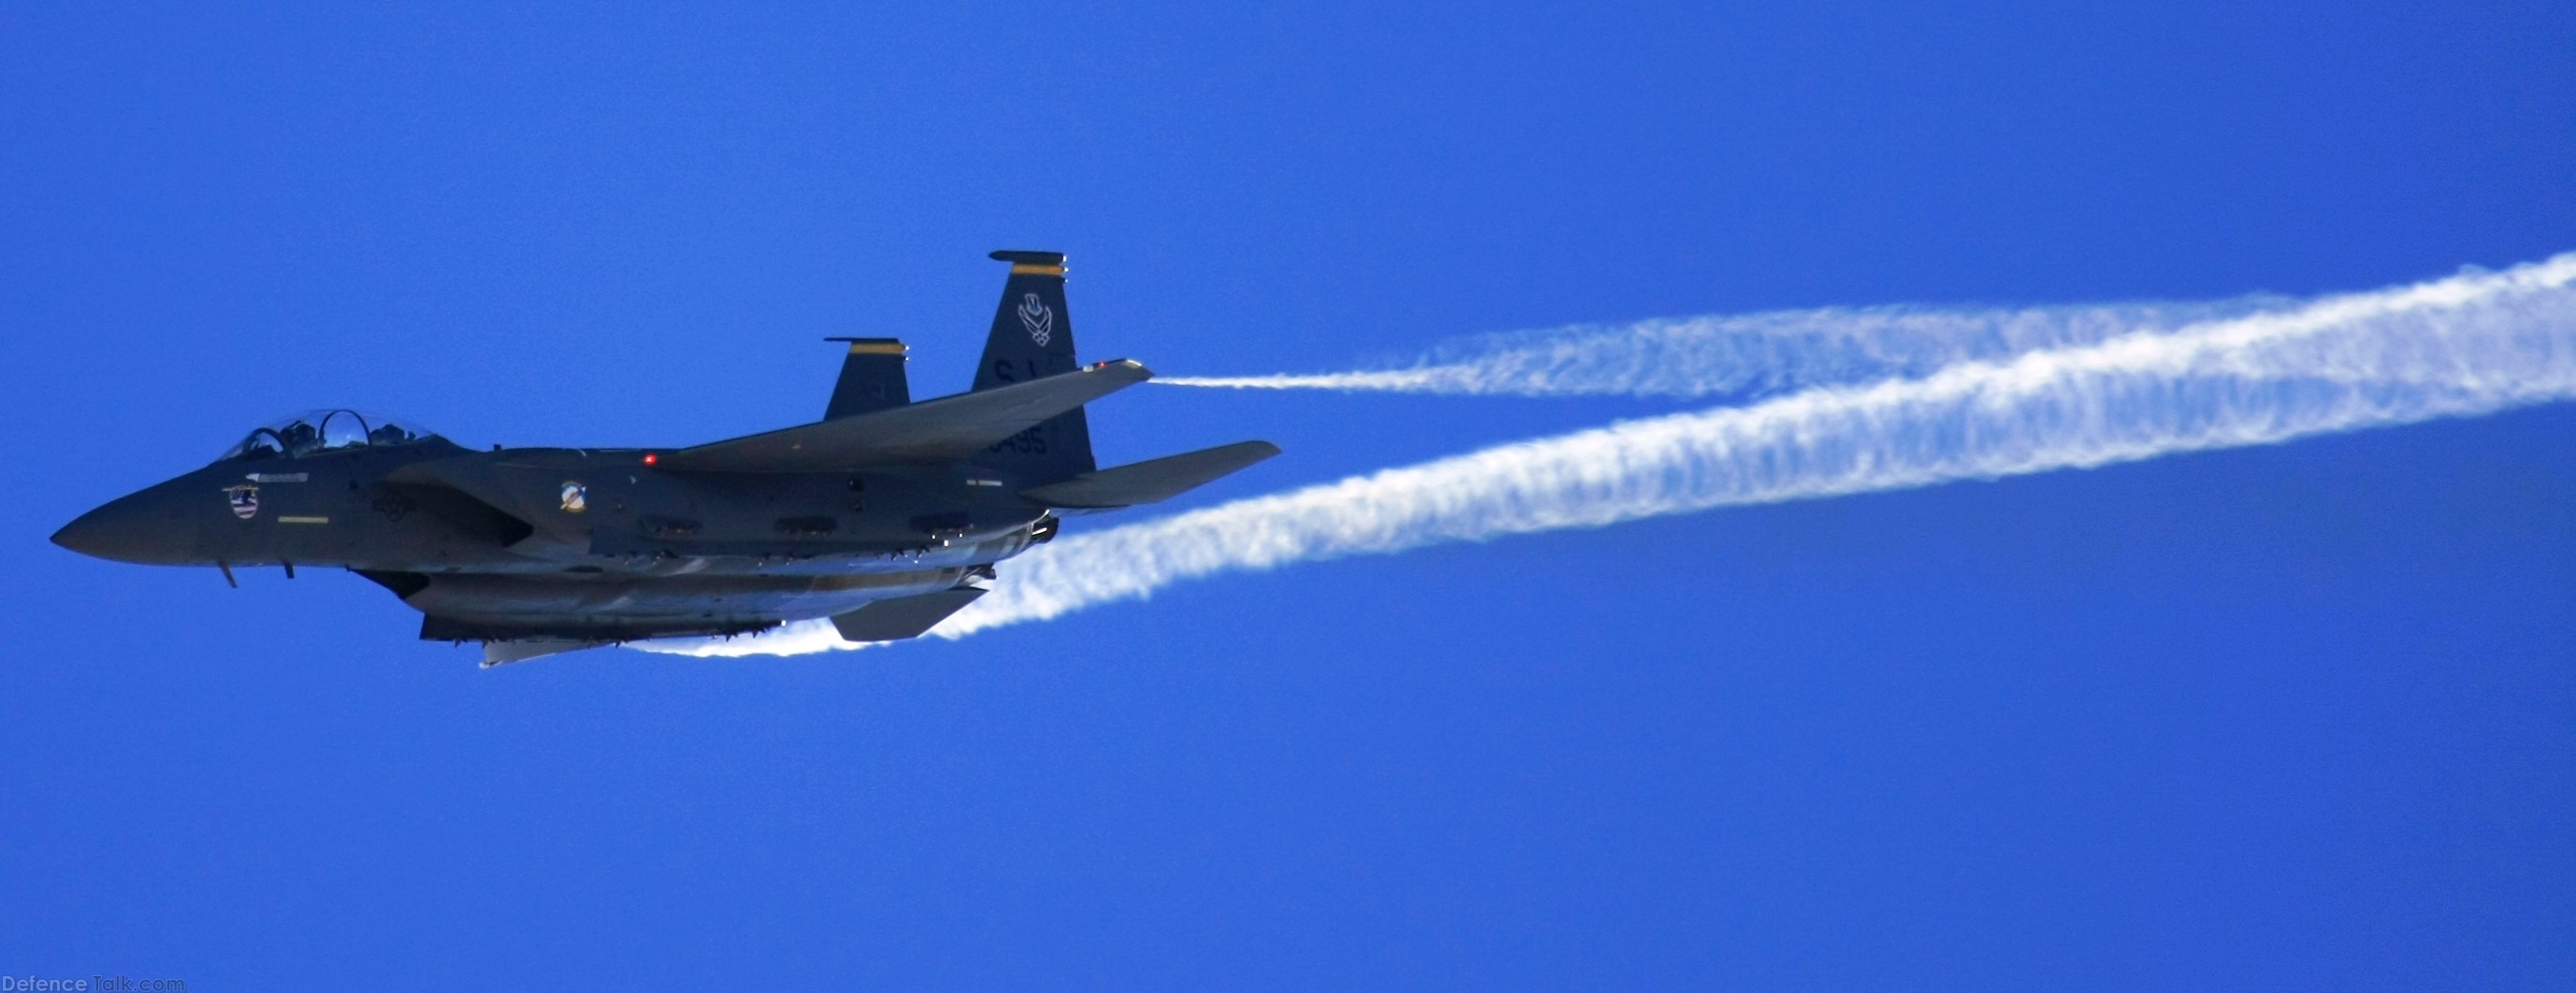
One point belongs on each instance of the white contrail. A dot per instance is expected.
(2470, 344)
(1748, 355)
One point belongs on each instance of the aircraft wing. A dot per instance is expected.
(951, 427)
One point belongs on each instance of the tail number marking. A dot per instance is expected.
(1029, 442)
(1003, 371)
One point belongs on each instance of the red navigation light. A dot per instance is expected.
(650, 458)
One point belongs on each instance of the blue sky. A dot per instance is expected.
(2295, 716)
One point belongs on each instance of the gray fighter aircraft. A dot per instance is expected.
(880, 516)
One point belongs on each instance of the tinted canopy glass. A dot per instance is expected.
(297, 435)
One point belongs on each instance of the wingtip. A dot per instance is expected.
(1124, 367)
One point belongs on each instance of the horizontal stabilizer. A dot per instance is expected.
(1152, 480)
(506, 652)
(904, 616)
(951, 427)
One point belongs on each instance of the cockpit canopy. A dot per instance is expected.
(299, 435)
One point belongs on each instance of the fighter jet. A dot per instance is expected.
(882, 516)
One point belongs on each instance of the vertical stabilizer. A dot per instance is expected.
(872, 378)
(1032, 338)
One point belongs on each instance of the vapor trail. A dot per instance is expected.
(1748, 355)
(2470, 344)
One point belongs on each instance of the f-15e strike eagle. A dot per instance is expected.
(881, 516)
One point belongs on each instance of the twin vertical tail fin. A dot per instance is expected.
(1032, 338)
(872, 378)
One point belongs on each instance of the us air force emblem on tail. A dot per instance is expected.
(1038, 318)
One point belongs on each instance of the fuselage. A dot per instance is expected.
(881, 516)
(580, 542)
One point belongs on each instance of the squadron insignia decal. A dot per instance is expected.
(1038, 318)
(576, 498)
(393, 505)
(245, 500)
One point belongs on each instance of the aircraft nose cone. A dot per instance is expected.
(123, 531)
(89, 534)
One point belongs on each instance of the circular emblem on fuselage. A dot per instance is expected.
(245, 500)
(576, 498)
